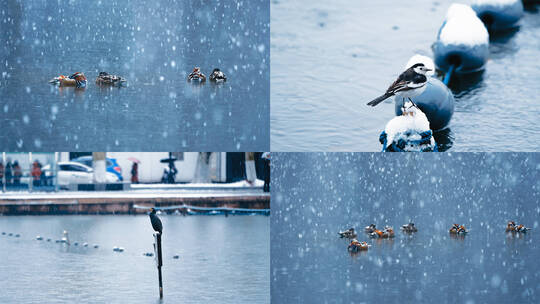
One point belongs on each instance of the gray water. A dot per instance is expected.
(221, 259)
(330, 58)
(317, 195)
(154, 45)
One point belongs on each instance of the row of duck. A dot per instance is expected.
(79, 80)
(388, 232)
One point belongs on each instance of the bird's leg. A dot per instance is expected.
(412, 102)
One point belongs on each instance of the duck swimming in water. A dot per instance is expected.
(513, 227)
(76, 80)
(105, 78)
(218, 76)
(196, 75)
(409, 228)
(356, 246)
(371, 228)
(387, 232)
(458, 229)
(347, 234)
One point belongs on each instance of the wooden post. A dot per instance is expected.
(159, 261)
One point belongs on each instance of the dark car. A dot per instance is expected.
(112, 165)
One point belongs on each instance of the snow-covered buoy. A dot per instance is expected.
(409, 132)
(437, 101)
(498, 15)
(462, 44)
(39, 238)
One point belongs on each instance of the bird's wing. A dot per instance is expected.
(398, 85)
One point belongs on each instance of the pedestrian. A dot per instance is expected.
(17, 173)
(172, 173)
(266, 159)
(36, 173)
(1, 173)
(135, 173)
(9, 172)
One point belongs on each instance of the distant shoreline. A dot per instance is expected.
(116, 204)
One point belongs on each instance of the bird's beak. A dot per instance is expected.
(428, 70)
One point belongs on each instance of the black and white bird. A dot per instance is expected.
(156, 222)
(409, 84)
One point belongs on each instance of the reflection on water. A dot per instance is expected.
(317, 195)
(221, 259)
(444, 139)
(330, 59)
(154, 46)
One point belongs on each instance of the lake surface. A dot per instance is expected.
(330, 58)
(221, 259)
(317, 195)
(154, 46)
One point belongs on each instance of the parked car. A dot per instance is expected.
(112, 165)
(76, 173)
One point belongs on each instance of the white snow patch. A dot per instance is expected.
(463, 27)
(428, 62)
(413, 121)
(495, 2)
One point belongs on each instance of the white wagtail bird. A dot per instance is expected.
(409, 84)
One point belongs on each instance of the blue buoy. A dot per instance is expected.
(498, 15)
(437, 102)
(462, 42)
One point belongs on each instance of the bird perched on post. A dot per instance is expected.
(156, 222)
(409, 84)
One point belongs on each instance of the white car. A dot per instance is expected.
(76, 173)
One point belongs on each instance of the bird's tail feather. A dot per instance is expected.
(379, 99)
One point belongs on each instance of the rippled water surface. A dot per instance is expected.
(223, 260)
(155, 46)
(330, 58)
(316, 195)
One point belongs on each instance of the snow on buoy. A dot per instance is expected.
(39, 238)
(85, 244)
(462, 42)
(498, 15)
(436, 102)
(409, 132)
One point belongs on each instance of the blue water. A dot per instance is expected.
(221, 259)
(154, 46)
(317, 195)
(328, 59)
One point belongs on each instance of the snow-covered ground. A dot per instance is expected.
(151, 191)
